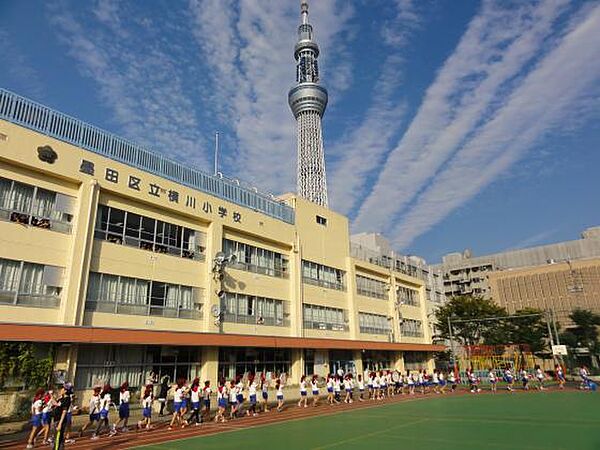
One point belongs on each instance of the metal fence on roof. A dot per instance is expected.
(22, 111)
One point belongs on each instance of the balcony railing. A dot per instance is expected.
(24, 218)
(40, 118)
(412, 333)
(312, 325)
(270, 271)
(371, 293)
(374, 330)
(145, 310)
(117, 238)
(253, 320)
(9, 297)
(323, 283)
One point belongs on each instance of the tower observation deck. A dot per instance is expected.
(308, 101)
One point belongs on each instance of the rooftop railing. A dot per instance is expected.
(40, 118)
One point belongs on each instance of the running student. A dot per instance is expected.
(105, 404)
(147, 398)
(36, 416)
(436, 382)
(525, 379)
(233, 399)
(314, 384)
(452, 381)
(361, 388)
(48, 404)
(206, 391)
(252, 386)
(348, 388)
(508, 377)
(264, 387)
(279, 389)
(124, 397)
(195, 394)
(221, 402)
(539, 375)
(177, 405)
(560, 376)
(94, 409)
(329, 389)
(337, 388)
(493, 380)
(303, 393)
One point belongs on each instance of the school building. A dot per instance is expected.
(131, 263)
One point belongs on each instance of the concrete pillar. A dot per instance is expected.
(210, 365)
(72, 306)
(297, 368)
(398, 361)
(351, 299)
(296, 313)
(358, 362)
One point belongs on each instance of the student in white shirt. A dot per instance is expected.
(361, 388)
(303, 392)
(252, 386)
(314, 385)
(279, 390)
(330, 389)
(124, 396)
(493, 380)
(105, 404)
(146, 401)
(539, 375)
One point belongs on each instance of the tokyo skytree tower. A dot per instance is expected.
(308, 101)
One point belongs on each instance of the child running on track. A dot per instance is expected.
(124, 397)
(264, 387)
(329, 389)
(195, 394)
(493, 380)
(361, 388)
(206, 391)
(221, 402)
(147, 398)
(105, 404)
(279, 389)
(314, 385)
(36, 416)
(177, 405)
(525, 379)
(560, 376)
(508, 377)
(252, 385)
(348, 388)
(539, 375)
(303, 392)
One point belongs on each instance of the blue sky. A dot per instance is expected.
(451, 124)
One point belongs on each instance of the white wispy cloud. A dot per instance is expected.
(473, 82)
(137, 73)
(362, 149)
(248, 48)
(557, 89)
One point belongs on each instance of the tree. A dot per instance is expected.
(465, 307)
(530, 330)
(20, 361)
(585, 331)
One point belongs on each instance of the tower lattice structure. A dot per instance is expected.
(308, 101)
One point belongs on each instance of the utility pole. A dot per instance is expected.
(216, 153)
(452, 346)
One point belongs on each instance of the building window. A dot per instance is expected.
(28, 284)
(124, 227)
(373, 323)
(324, 276)
(125, 295)
(257, 260)
(321, 220)
(234, 361)
(318, 317)
(114, 364)
(253, 310)
(411, 327)
(371, 288)
(407, 296)
(31, 205)
(415, 360)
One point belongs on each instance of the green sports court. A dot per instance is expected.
(536, 420)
